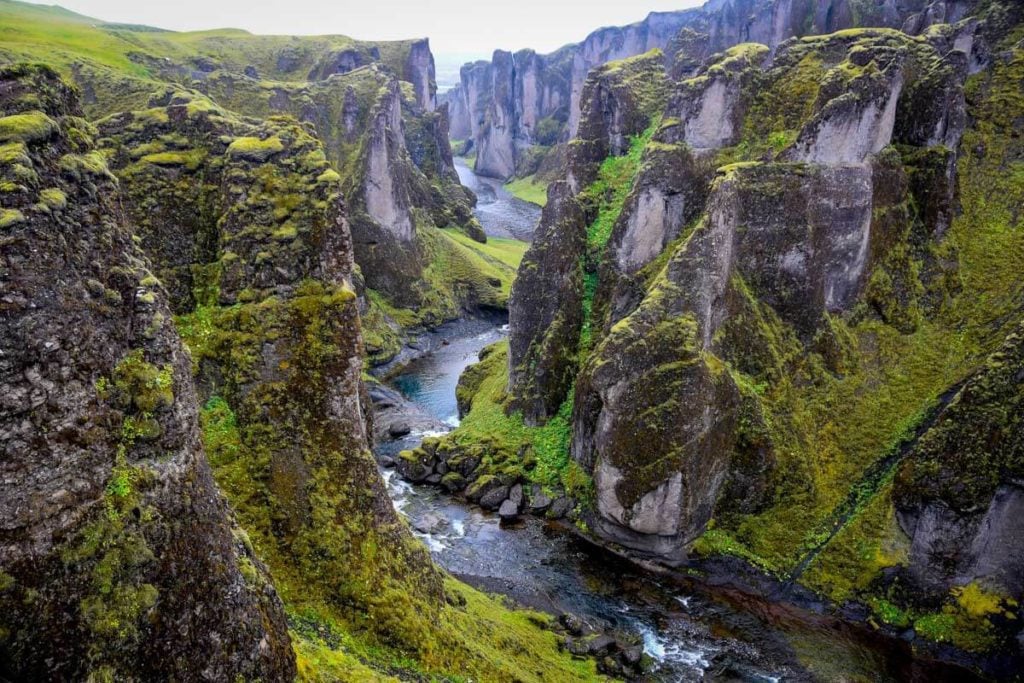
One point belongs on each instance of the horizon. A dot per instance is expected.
(451, 25)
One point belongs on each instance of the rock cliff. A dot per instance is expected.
(518, 104)
(374, 108)
(788, 322)
(247, 225)
(120, 558)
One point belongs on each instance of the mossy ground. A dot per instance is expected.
(508, 446)
(473, 637)
(529, 189)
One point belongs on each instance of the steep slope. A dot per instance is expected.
(119, 557)
(247, 226)
(516, 106)
(793, 259)
(372, 105)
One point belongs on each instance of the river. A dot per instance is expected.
(500, 214)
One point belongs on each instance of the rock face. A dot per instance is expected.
(119, 556)
(522, 99)
(546, 305)
(706, 279)
(514, 102)
(273, 326)
(545, 309)
(374, 108)
(960, 495)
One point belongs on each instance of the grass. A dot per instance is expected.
(614, 181)
(529, 189)
(535, 454)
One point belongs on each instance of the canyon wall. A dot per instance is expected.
(781, 336)
(515, 105)
(120, 558)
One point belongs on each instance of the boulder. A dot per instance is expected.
(494, 497)
(508, 511)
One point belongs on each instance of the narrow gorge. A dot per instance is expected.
(692, 351)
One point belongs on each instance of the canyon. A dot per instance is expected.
(298, 386)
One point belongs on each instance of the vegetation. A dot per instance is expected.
(507, 445)
(529, 189)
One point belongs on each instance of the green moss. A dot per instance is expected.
(529, 190)
(143, 385)
(31, 127)
(614, 181)
(255, 149)
(10, 217)
(190, 159)
(14, 153)
(82, 166)
(54, 199)
(508, 447)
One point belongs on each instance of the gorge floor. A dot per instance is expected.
(690, 635)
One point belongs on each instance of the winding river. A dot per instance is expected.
(500, 213)
(692, 632)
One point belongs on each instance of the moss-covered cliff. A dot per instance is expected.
(812, 252)
(372, 105)
(120, 558)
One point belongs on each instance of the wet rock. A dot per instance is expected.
(573, 624)
(453, 482)
(398, 429)
(508, 511)
(560, 508)
(386, 461)
(493, 499)
(434, 479)
(601, 645)
(633, 655)
(430, 523)
(577, 647)
(415, 465)
(539, 501)
(515, 496)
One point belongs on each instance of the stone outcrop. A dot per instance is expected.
(514, 102)
(119, 557)
(545, 309)
(523, 99)
(799, 239)
(255, 215)
(960, 495)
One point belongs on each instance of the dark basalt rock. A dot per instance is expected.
(119, 557)
(960, 495)
(494, 498)
(545, 309)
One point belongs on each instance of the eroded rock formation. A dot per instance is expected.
(517, 102)
(120, 558)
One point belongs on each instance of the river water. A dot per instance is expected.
(500, 214)
(542, 566)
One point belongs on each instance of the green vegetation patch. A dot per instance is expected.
(31, 127)
(255, 149)
(529, 189)
(507, 445)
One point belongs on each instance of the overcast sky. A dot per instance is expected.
(453, 26)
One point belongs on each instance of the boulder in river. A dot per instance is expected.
(508, 511)
(493, 499)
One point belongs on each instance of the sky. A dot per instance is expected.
(469, 28)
